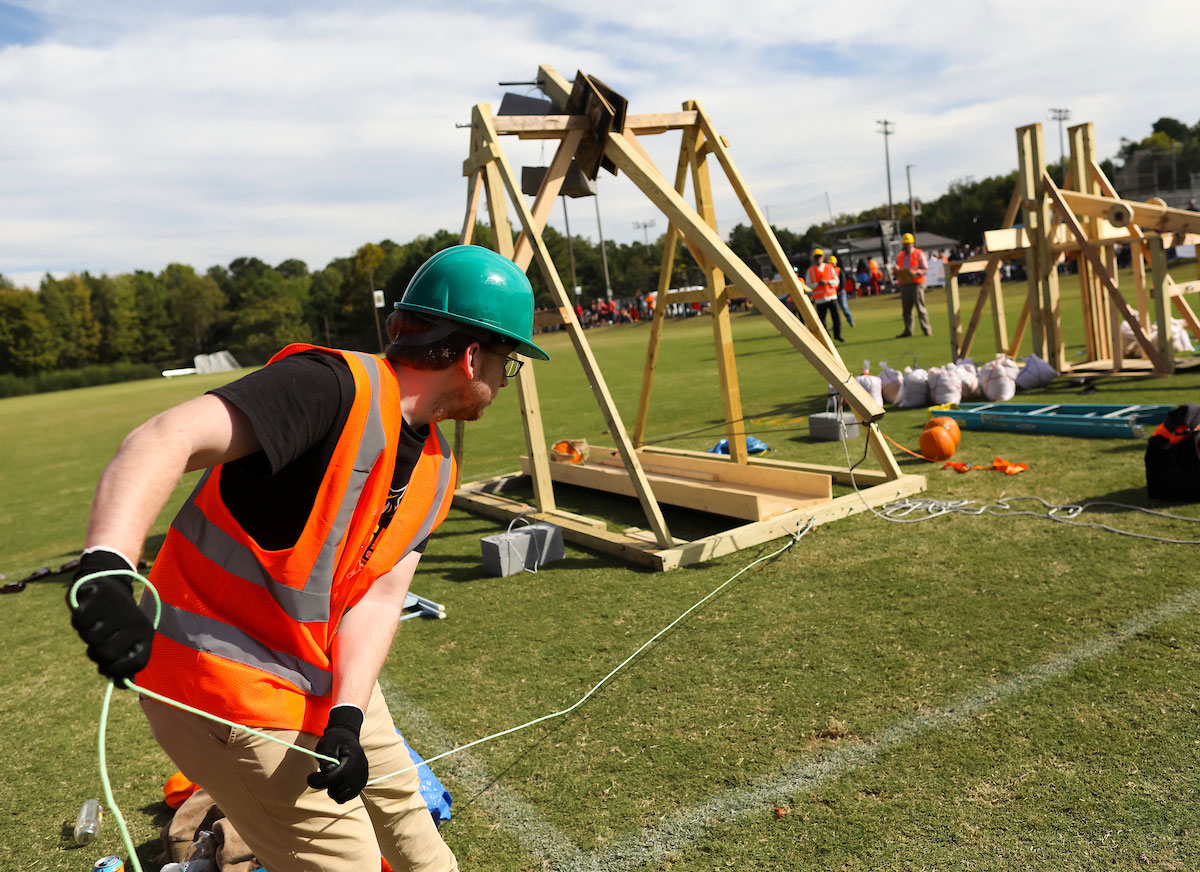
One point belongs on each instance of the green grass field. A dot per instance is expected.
(974, 693)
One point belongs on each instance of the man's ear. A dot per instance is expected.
(469, 362)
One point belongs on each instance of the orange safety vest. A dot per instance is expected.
(247, 633)
(917, 257)
(823, 279)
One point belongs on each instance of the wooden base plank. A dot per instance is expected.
(639, 547)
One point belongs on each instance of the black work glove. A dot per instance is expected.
(345, 779)
(118, 634)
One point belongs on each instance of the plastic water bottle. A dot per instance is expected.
(202, 855)
(87, 825)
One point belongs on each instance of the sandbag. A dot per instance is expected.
(969, 376)
(998, 379)
(945, 384)
(891, 383)
(1036, 373)
(873, 385)
(916, 388)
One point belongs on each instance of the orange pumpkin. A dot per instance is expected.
(937, 443)
(177, 789)
(949, 424)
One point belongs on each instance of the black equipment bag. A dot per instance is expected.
(1173, 456)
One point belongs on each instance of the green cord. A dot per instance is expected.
(109, 800)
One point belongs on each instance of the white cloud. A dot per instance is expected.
(141, 133)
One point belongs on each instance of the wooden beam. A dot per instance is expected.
(1162, 305)
(474, 186)
(1045, 312)
(557, 126)
(731, 395)
(480, 158)
(1014, 347)
(543, 203)
(670, 243)
(582, 349)
(1121, 213)
(952, 313)
(829, 365)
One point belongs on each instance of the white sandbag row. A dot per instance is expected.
(997, 380)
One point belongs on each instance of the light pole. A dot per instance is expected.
(643, 225)
(1060, 115)
(912, 211)
(886, 127)
(570, 250)
(603, 253)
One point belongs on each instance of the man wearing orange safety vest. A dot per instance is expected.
(911, 267)
(283, 577)
(822, 278)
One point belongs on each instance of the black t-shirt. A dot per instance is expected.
(297, 407)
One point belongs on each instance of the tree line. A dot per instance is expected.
(253, 308)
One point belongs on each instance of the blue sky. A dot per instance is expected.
(139, 133)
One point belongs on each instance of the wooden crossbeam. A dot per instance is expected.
(557, 126)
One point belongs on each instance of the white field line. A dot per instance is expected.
(677, 830)
(513, 814)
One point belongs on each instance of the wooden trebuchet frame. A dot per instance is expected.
(1085, 220)
(775, 497)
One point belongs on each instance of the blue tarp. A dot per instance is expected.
(753, 446)
(435, 795)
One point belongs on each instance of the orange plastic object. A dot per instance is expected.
(177, 789)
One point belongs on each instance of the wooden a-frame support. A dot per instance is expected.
(1085, 219)
(777, 497)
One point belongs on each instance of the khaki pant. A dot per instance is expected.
(261, 788)
(910, 296)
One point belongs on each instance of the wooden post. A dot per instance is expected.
(731, 396)
(670, 244)
(1039, 259)
(1092, 296)
(1162, 306)
(591, 369)
(956, 333)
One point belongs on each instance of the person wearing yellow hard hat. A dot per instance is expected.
(822, 278)
(909, 273)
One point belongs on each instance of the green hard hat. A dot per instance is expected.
(474, 286)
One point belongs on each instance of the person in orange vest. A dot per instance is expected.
(911, 267)
(284, 576)
(876, 276)
(822, 278)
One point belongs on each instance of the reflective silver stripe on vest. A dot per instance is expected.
(372, 444)
(216, 637)
(442, 486)
(310, 603)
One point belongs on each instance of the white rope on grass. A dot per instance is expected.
(104, 710)
(912, 510)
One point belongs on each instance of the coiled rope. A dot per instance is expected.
(110, 801)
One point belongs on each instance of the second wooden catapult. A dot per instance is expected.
(764, 498)
(1085, 220)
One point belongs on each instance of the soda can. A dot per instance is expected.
(109, 864)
